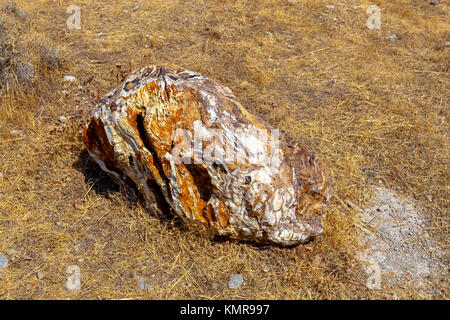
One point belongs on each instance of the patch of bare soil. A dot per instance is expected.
(399, 248)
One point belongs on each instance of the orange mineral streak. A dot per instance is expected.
(223, 215)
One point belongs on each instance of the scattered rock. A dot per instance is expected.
(143, 285)
(13, 252)
(73, 282)
(62, 119)
(3, 261)
(235, 281)
(330, 7)
(69, 78)
(430, 198)
(16, 133)
(40, 275)
(193, 149)
(392, 37)
(447, 43)
(292, 1)
(125, 10)
(136, 7)
(435, 2)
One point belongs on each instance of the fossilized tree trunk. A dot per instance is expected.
(189, 147)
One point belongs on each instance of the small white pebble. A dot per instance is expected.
(392, 37)
(69, 78)
(13, 252)
(330, 7)
(62, 119)
(16, 133)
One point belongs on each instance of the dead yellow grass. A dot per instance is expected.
(383, 120)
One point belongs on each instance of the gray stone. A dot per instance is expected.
(235, 281)
(143, 285)
(3, 261)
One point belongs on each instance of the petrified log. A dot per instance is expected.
(190, 147)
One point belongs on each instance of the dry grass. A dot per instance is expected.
(383, 120)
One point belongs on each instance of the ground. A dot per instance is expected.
(372, 106)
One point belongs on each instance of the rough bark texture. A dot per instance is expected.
(133, 136)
